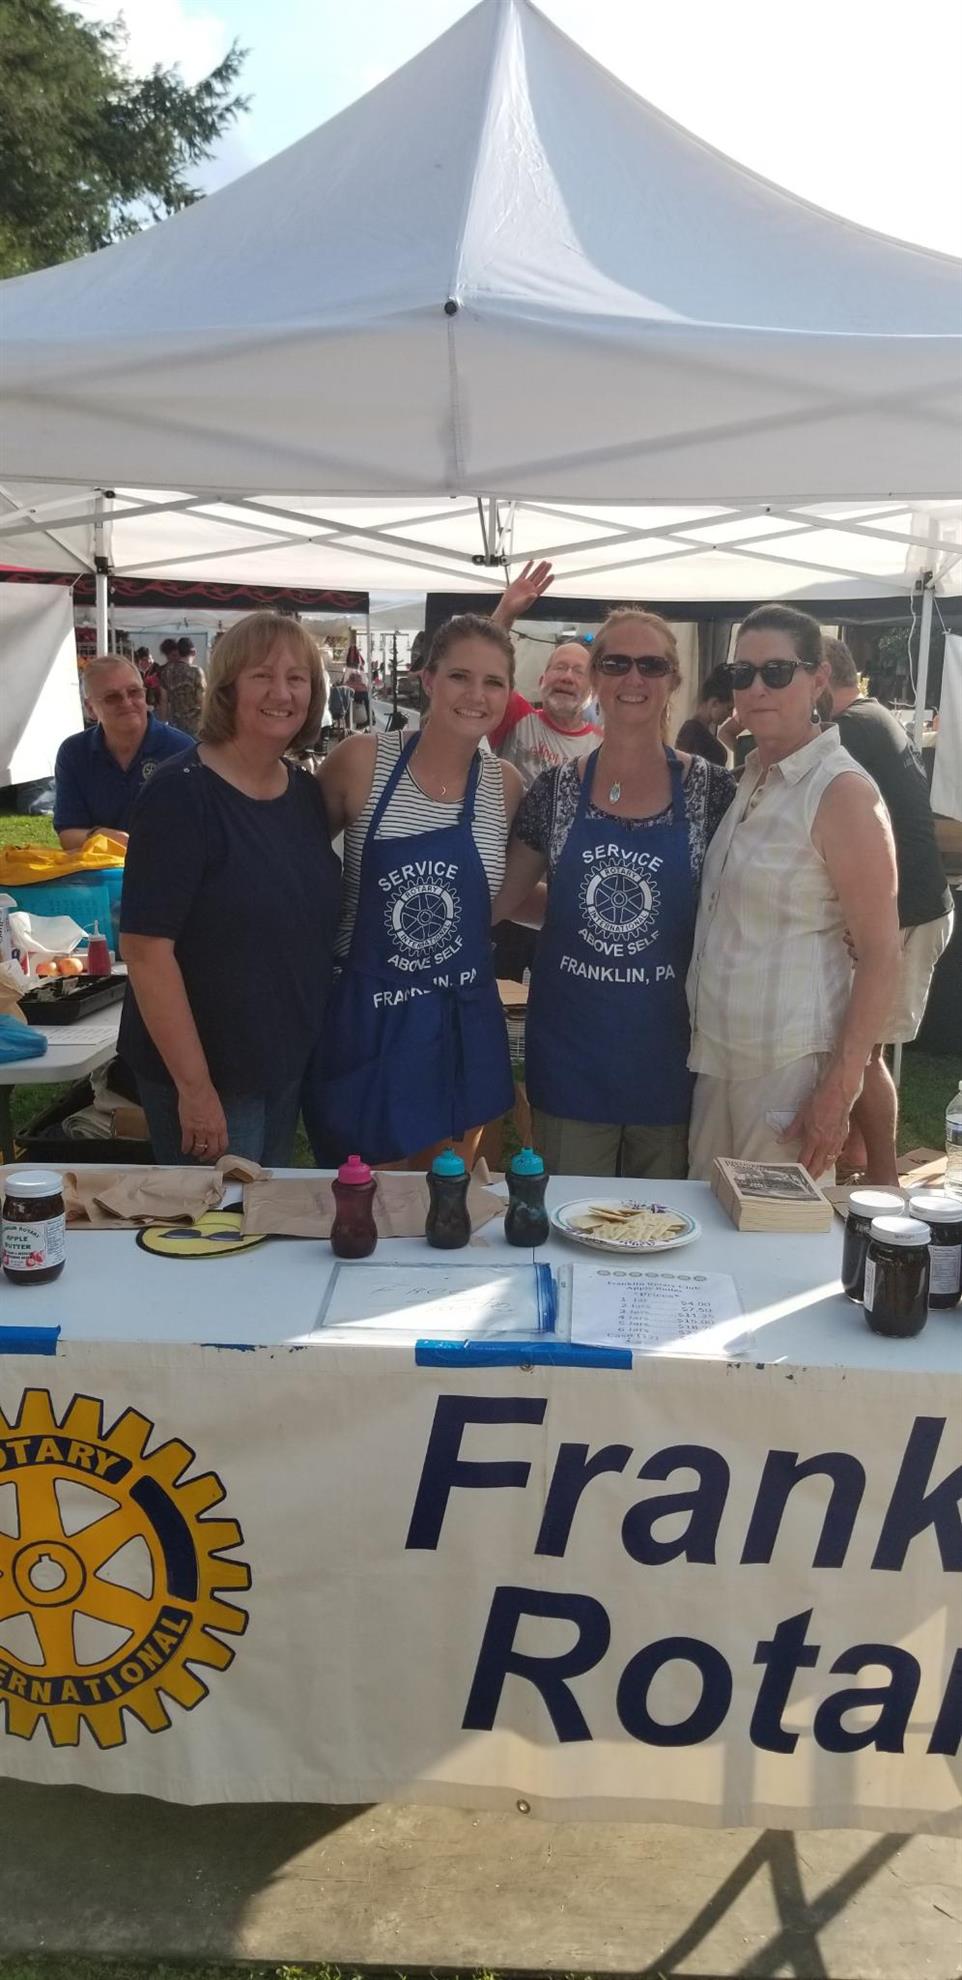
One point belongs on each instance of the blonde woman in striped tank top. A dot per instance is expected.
(782, 1024)
(415, 1051)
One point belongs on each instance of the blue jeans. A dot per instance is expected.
(259, 1125)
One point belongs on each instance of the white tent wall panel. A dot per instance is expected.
(39, 688)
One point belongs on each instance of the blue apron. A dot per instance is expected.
(415, 1046)
(607, 1033)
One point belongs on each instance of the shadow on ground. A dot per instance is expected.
(433, 1888)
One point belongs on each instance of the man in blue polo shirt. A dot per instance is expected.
(100, 771)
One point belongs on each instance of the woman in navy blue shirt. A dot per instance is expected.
(230, 904)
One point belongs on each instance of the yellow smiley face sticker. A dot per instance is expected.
(215, 1234)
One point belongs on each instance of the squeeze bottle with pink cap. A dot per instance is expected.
(354, 1232)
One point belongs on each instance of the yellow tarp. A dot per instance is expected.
(29, 866)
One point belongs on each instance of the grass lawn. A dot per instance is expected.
(17, 831)
(66, 1967)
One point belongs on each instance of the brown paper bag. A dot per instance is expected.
(306, 1209)
(127, 1198)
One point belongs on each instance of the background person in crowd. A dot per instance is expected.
(877, 741)
(229, 910)
(183, 685)
(146, 668)
(699, 735)
(622, 836)
(415, 1035)
(781, 1027)
(535, 739)
(100, 771)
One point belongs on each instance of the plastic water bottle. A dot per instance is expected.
(953, 1143)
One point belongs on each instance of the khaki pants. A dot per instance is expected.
(593, 1148)
(744, 1118)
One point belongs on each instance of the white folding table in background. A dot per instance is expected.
(74, 1051)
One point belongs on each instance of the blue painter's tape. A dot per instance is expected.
(29, 1340)
(517, 1354)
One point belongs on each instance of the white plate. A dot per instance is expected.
(562, 1221)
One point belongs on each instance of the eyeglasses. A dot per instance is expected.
(774, 673)
(651, 666)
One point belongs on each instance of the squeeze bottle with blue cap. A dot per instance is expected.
(353, 1232)
(448, 1224)
(526, 1221)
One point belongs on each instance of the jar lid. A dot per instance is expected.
(937, 1207)
(354, 1171)
(899, 1230)
(33, 1182)
(875, 1203)
(528, 1162)
(448, 1164)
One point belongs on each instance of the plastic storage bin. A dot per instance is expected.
(86, 897)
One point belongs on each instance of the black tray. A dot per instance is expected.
(43, 1139)
(64, 999)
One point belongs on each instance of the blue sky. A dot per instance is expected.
(839, 100)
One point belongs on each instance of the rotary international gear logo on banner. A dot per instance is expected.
(422, 918)
(111, 1573)
(621, 904)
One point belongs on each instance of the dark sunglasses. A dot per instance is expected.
(651, 666)
(774, 673)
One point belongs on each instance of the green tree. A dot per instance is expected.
(89, 152)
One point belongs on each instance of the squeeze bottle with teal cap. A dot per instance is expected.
(448, 1224)
(526, 1220)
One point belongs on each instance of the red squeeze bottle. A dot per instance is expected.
(98, 954)
(354, 1232)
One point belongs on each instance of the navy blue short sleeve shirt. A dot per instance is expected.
(91, 787)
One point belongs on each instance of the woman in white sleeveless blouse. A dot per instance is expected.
(782, 1023)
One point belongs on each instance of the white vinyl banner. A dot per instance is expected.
(694, 1592)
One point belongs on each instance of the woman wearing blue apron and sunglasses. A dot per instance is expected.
(415, 1049)
(622, 835)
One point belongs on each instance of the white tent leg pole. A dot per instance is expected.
(925, 636)
(922, 677)
(102, 613)
(102, 579)
(897, 1064)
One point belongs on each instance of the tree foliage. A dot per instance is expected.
(89, 152)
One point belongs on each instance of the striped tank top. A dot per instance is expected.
(410, 813)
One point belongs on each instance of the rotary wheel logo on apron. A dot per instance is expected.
(422, 919)
(111, 1573)
(621, 904)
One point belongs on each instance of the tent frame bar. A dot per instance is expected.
(682, 537)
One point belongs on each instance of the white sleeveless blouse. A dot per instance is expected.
(770, 975)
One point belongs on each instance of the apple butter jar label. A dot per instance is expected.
(29, 1248)
(33, 1229)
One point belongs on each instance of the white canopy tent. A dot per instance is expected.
(499, 308)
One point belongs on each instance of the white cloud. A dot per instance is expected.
(162, 31)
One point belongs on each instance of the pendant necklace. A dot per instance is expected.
(614, 793)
